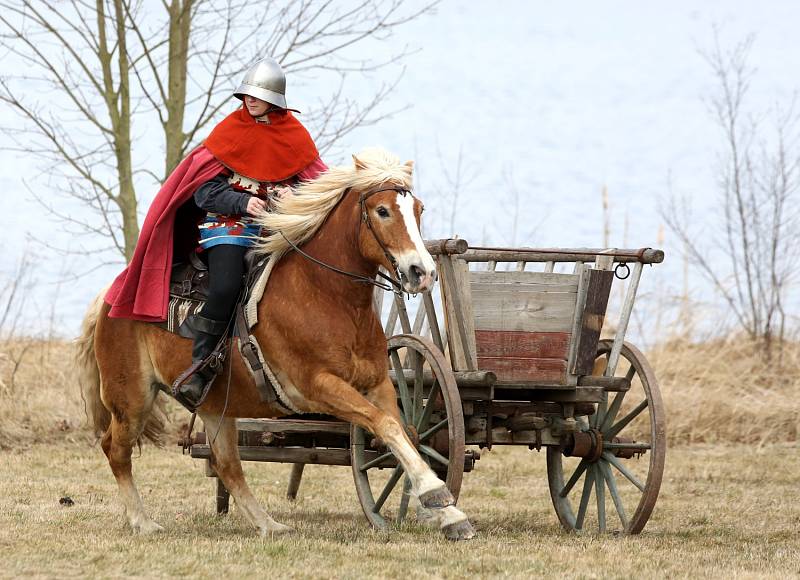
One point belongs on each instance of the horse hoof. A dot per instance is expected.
(146, 528)
(437, 498)
(458, 531)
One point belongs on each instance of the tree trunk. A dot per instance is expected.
(180, 16)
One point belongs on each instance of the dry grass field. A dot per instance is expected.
(724, 511)
(728, 506)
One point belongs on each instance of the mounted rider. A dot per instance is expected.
(207, 206)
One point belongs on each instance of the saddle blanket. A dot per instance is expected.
(187, 293)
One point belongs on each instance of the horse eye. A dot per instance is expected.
(382, 211)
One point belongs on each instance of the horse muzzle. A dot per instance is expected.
(416, 278)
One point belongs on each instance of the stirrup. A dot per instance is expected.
(213, 364)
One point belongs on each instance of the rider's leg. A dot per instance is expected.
(225, 270)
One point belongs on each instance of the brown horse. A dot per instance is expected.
(318, 330)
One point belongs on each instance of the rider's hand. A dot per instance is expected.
(281, 192)
(256, 206)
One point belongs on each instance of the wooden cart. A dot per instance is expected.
(510, 350)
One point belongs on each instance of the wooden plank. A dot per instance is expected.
(613, 384)
(463, 378)
(545, 280)
(644, 255)
(516, 344)
(598, 289)
(433, 322)
(558, 394)
(419, 320)
(462, 273)
(293, 426)
(624, 319)
(576, 324)
(459, 324)
(391, 322)
(377, 300)
(523, 310)
(545, 370)
(320, 456)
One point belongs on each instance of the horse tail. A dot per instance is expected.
(88, 371)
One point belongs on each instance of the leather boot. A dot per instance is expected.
(207, 334)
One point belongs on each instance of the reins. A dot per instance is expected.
(393, 283)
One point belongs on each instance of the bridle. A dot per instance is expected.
(393, 284)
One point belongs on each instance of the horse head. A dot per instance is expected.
(389, 233)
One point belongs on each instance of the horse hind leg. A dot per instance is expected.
(122, 435)
(223, 437)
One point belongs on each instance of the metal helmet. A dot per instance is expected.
(264, 80)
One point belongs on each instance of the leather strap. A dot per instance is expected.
(249, 352)
(209, 325)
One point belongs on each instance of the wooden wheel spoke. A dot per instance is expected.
(404, 497)
(418, 386)
(614, 491)
(612, 411)
(574, 479)
(585, 496)
(623, 470)
(433, 429)
(613, 416)
(622, 423)
(599, 488)
(395, 477)
(433, 454)
(599, 415)
(373, 462)
(402, 386)
(428, 410)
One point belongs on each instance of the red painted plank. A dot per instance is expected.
(539, 370)
(520, 344)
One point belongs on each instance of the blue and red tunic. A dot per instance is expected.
(225, 199)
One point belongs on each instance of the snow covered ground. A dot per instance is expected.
(555, 100)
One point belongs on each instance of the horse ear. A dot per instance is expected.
(358, 163)
(410, 165)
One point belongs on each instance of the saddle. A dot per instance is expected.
(188, 292)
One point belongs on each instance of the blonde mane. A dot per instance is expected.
(299, 216)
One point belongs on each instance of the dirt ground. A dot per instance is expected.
(724, 511)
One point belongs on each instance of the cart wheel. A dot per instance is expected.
(615, 437)
(429, 402)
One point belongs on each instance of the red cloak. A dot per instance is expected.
(265, 152)
(270, 152)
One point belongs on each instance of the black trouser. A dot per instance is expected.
(225, 270)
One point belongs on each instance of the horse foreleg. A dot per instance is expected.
(381, 417)
(228, 466)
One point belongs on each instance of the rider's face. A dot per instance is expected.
(256, 107)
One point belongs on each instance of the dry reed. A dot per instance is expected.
(723, 391)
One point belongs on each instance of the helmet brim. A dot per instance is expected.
(271, 97)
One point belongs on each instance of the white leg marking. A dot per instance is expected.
(422, 477)
(138, 519)
(226, 452)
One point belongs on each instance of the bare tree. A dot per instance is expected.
(113, 69)
(752, 263)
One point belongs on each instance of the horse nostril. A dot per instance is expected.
(417, 272)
